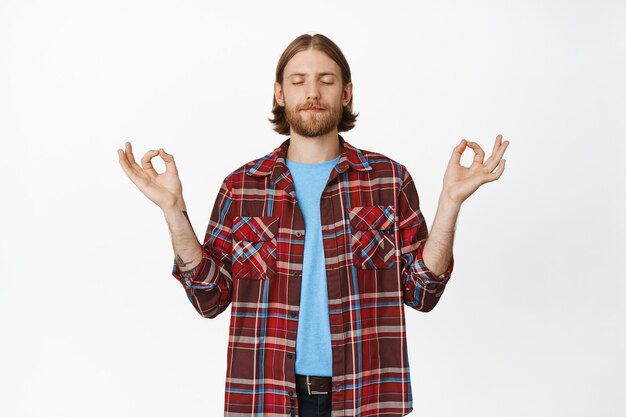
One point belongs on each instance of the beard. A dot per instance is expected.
(313, 124)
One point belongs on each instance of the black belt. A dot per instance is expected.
(314, 384)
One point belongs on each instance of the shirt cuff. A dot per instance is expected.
(200, 275)
(443, 277)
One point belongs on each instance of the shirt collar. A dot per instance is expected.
(350, 157)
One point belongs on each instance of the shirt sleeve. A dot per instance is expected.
(422, 288)
(209, 290)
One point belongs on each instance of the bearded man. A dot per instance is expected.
(319, 246)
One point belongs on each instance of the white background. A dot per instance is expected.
(93, 324)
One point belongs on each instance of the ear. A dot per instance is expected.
(278, 94)
(347, 94)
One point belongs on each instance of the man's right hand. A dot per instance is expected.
(164, 189)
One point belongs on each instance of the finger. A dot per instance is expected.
(127, 167)
(479, 153)
(496, 144)
(495, 175)
(170, 165)
(457, 152)
(128, 154)
(494, 159)
(146, 162)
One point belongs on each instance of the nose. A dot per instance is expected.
(312, 91)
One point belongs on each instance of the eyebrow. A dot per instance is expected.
(321, 74)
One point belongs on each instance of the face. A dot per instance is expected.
(312, 93)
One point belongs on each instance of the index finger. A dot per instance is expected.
(458, 152)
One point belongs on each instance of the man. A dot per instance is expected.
(318, 245)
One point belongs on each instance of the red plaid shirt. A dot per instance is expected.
(373, 236)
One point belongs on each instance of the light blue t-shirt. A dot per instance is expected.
(313, 348)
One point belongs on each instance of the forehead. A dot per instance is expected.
(311, 62)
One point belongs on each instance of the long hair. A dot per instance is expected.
(321, 43)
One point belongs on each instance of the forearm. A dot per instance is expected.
(437, 252)
(187, 249)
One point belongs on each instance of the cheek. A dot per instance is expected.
(334, 95)
(291, 97)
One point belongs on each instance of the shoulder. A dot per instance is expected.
(384, 165)
(250, 171)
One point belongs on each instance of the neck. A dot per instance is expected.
(313, 150)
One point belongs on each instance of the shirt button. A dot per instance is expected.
(296, 274)
(290, 355)
(298, 234)
(291, 393)
(292, 314)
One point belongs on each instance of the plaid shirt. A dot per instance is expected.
(373, 236)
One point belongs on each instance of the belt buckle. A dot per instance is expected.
(308, 387)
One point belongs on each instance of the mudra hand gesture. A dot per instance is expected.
(460, 182)
(164, 189)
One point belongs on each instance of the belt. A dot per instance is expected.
(314, 384)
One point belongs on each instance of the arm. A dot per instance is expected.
(422, 287)
(438, 247)
(184, 240)
(204, 270)
(459, 183)
(425, 284)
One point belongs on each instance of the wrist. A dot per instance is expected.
(447, 203)
(176, 207)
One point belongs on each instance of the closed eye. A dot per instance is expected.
(323, 82)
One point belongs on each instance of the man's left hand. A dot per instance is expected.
(460, 182)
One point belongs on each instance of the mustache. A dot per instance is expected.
(310, 106)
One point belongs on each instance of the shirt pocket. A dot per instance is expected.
(373, 237)
(254, 247)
